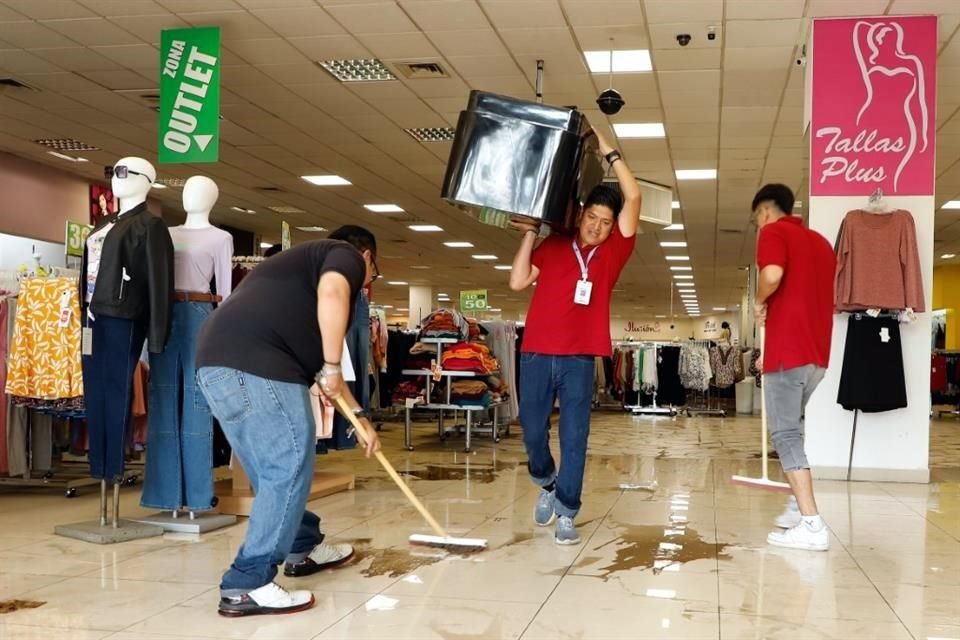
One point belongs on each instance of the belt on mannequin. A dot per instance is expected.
(195, 296)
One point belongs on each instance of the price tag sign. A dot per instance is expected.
(76, 238)
(473, 300)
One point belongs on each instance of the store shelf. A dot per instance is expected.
(448, 374)
(457, 407)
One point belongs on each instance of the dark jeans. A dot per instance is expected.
(545, 378)
(271, 428)
(179, 470)
(108, 391)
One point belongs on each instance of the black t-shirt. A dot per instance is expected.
(268, 326)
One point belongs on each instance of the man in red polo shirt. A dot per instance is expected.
(795, 302)
(568, 325)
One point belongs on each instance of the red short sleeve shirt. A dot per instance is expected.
(555, 324)
(800, 313)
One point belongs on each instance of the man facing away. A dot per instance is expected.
(795, 304)
(567, 327)
(258, 355)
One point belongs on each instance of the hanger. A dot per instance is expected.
(876, 203)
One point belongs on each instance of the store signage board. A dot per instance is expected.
(873, 123)
(189, 124)
(76, 238)
(473, 300)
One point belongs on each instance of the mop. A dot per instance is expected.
(763, 482)
(441, 539)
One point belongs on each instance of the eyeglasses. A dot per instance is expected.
(376, 269)
(122, 171)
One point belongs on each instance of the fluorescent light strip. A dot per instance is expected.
(503, 267)
(681, 268)
(628, 130)
(398, 283)
(696, 174)
(624, 61)
(428, 228)
(948, 256)
(383, 208)
(484, 256)
(675, 204)
(673, 227)
(951, 204)
(673, 245)
(458, 245)
(679, 276)
(327, 181)
(678, 258)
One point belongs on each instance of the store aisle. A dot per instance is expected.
(685, 559)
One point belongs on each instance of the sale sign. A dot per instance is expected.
(873, 119)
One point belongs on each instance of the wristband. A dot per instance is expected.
(613, 156)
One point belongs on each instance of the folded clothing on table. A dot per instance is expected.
(470, 356)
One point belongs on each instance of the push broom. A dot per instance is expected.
(763, 482)
(441, 539)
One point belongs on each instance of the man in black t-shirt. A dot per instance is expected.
(257, 356)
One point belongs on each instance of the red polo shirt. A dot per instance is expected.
(555, 324)
(800, 312)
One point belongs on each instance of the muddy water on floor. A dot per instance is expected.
(9, 606)
(656, 547)
(483, 473)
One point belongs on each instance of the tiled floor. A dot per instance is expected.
(685, 560)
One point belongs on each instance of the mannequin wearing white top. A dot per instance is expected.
(179, 470)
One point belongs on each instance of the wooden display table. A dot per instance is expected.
(235, 496)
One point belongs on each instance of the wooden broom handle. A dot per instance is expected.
(364, 438)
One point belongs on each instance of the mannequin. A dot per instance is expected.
(179, 469)
(126, 288)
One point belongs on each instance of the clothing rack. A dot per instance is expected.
(703, 409)
(955, 412)
(653, 408)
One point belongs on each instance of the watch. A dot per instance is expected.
(613, 156)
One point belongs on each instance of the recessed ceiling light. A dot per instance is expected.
(503, 267)
(681, 268)
(383, 208)
(402, 309)
(157, 185)
(312, 229)
(681, 276)
(660, 316)
(388, 306)
(674, 245)
(327, 181)
(357, 70)
(242, 210)
(424, 227)
(398, 283)
(458, 245)
(421, 267)
(64, 156)
(675, 204)
(719, 308)
(484, 256)
(624, 61)
(696, 174)
(627, 130)
(678, 258)
(433, 134)
(948, 256)
(673, 227)
(684, 284)
(798, 204)
(951, 204)
(265, 245)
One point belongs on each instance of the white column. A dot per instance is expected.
(420, 304)
(894, 445)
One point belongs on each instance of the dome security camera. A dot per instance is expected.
(610, 102)
(683, 39)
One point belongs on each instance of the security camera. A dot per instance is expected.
(711, 33)
(683, 39)
(610, 102)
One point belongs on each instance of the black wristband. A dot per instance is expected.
(613, 156)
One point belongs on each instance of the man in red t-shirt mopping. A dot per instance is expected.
(567, 327)
(795, 304)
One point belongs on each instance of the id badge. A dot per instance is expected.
(583, 292)
(86, 341)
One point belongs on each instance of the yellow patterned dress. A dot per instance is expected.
(44, 358)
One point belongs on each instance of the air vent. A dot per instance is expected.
(285, 209)
(14, 84)
(731, 231)
(271, 189)
(398, 241)
(421, 70)
(433, 134)
(363, 70)
(65, 144)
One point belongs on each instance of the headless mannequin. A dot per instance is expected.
(180, 456)
(132, 190)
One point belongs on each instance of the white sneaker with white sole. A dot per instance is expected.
(270, 599)
(801, 537)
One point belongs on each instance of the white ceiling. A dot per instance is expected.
(734, 104)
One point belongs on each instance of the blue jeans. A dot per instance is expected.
(108, 391)
(543, 379)
(179, 469)
(271, 428)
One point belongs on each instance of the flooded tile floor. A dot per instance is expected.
(683, 555)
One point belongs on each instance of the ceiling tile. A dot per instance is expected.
(77, 59)
(468, 43)
(472, 66)
(49, 9)
(924, 6)
(613, 36)
(831, 8)
(276, 4)
(765, 33)
(307, 21)
(190, 6)
(603, 13)
(667, 11)
(763, 9)
(399, 46)
(132, 56)
(266, 51)
(380, 17)
(686, 59)
(32, 35)
(446, 15)
(747, 59)
(510, 14)
(330, 47)
(93, 31)
(148, 28)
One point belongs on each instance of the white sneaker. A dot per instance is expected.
(791, 515)
(270, 599)
(801, 537)
(323, 556)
